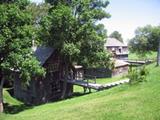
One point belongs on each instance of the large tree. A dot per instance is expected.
(116, 35)
(38, 11)
(146, 39)
(71, 27)
(16, 34)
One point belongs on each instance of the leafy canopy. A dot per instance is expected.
(145, 40)
(116, 35)
(71, 27)
(16, 34)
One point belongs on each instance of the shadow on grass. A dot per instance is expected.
(14, 109)
(77, 94)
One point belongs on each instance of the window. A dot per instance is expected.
(120, 49)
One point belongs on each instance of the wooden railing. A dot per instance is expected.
(84, 77)
(140, 61)
(146, 60)
(89, 78)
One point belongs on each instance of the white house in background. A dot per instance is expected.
(119, 49)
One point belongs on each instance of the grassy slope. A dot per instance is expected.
(9, 99)
(138, 102)
(151, 55)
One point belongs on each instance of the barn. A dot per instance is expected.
(121, 67)
(119, 49)
(48, 88)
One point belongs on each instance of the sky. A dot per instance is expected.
(37, 1)
(127, 15)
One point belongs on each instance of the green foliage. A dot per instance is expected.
(137, 75)
(145, 40)
(38, 11)
(149, 55)
(16, 35)
(21, 3)
(70, 49)
(72, 29)
(116, 35)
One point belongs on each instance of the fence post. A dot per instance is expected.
(95, 79)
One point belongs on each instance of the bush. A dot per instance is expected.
(137, 75)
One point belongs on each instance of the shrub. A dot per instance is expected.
(137, 74)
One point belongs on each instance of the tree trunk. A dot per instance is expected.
(65, 82)
(68, 67)
(1, 94)
(158, 54)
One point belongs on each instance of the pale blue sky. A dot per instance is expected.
(127, 15)
(37, 1)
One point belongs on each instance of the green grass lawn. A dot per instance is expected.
(9, 99)
(151, 55)
(125, 102)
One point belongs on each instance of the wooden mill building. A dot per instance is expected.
(120, 54)
(48, 88)
(119, 49)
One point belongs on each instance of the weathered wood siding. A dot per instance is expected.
(120, 70)
(23, 92)
(99, 72)
(120, 52)
(46, 89)
(105, 72)
(122, 57)
(124, 49)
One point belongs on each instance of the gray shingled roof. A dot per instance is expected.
(119, 63)
(43, 53)
(113, 42)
